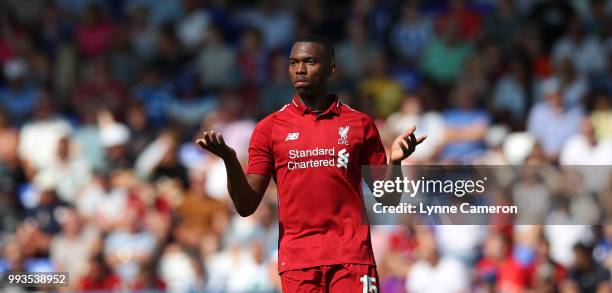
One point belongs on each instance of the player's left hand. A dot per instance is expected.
(404, 145)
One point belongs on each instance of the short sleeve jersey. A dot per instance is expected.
(316, 159)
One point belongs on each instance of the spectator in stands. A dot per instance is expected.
(465, 127)
(585, 148)
(10, 167)
(433, 272)
(586, 275)
(275, 92)
(129, 246)
(602, 115)
(575, 87)
(99, 276)
(154, 90)
(48, 206)
(170, 167)
(412, 33)
(141, 131)
(503, 25)
(551, 122)
(147, 279)
(102, 203)
(178, 270)
(603, 81)
(70, 171)
(443, 58)
(412, 112)
(217, 62)
(545, 274)
(71, 249)
(97, 88)
(87, 140)
(585, 51)
(188, 108)
(12, 258)
(498, 270)
(460, 14)
(19, 96)
(38, 138)
(552, 18)
(353, 53)
(382, 92)
(160, 11)
(514, 91)
(192, 27)
(143, 35)
(95, 32)
(603, 247)
(275, 23)
(123, 63)
(170, 59)
(199, 214)
(252, 62)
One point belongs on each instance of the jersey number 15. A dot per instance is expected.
(369, 284)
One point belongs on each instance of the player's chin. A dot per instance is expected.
(302, 90)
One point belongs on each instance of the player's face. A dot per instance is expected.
(309, 67)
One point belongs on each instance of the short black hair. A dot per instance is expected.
(587, 249)
(319, 40)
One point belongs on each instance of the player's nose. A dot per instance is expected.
(301, 68)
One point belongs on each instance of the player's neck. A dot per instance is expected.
(317, 102)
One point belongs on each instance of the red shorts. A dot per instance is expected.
(333, 279)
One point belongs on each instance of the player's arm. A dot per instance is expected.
(246, 191)
(386, 166)
(403, 146)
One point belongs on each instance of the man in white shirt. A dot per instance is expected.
(433, 272)
(586, 149)
(551, 122)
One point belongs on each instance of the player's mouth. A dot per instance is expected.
(301, 83)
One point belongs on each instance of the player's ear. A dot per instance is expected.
(332, 66)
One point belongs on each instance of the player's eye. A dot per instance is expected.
(311, 61)
(292, 62)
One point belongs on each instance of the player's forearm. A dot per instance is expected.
(242, 194)
(394, 170)
(391, 171)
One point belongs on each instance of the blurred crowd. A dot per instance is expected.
(101, 100)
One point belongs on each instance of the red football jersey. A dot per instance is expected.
(316, 162)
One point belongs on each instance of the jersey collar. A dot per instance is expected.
(303, 109)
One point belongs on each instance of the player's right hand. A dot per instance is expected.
(214, 143)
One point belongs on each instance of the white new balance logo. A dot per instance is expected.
(342, 159)
(292, 136)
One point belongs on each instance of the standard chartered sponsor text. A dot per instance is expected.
(325, 157)
(294, 154)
